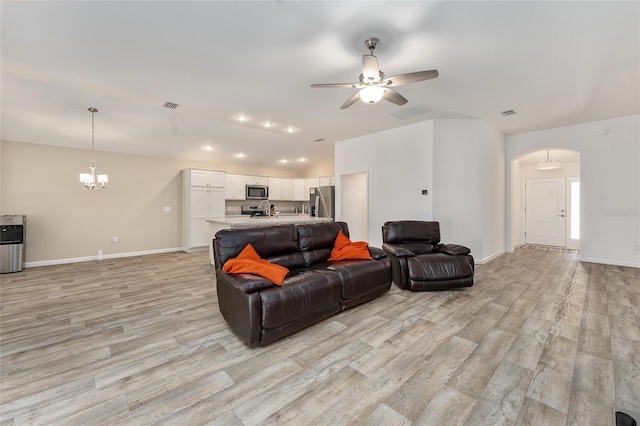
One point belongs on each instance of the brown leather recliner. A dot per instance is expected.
(418, 260)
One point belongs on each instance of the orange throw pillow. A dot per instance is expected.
(344, 249)
(249, 262)
(249, 253)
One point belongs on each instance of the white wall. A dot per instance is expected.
(398, 163)
(493, 221)
(354, 191)
(469, 185)
(460, 162)
(517, 207)
(610, 184)
(458, 182)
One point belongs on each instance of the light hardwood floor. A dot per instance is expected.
(540, 339)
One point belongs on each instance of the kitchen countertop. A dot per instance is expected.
(244, 222)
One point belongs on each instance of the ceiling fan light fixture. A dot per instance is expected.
(548, 164)
(371, 94)
(370, 70)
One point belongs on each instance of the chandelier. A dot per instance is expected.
(91, 180)
(548, 164)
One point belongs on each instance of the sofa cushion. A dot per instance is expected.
(344, 249)
(411, 230)
(277, 244)
(316, 240)
(438, 266)
(301, 295)
(360, 277)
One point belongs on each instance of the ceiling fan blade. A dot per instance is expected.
(370, 69)
(394, 97)
(411, 77)
(338, 85)
(352, 100)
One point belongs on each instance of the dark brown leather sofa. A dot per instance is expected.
(260, 312)
(420, 262)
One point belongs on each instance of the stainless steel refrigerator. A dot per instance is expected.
(322, 201)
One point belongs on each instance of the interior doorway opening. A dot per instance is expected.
(545, 204)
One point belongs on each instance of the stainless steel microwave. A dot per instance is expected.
(257, 192)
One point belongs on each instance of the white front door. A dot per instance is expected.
(545, 211)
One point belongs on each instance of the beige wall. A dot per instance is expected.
(66, 221)
(324, 167)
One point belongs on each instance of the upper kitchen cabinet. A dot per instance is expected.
(287, 189)
(234, 187)
(311, 183)
(280, 189)
(256, 180)
(299, 193)
(210, 178)
(327, 181)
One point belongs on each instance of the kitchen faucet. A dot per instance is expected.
(268, 206)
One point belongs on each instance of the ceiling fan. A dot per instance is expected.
(373, 85)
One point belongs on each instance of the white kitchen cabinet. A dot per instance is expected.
(327, 181)
(299, 193)
(206, 203)
(256, 180)
(287, 189)
(310, 183)
(275, 189)
(208, 178)
(200, 202)
(280, 189)
(234, 187)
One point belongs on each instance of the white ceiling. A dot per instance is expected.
(554, 63)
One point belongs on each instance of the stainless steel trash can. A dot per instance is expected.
(12, 250)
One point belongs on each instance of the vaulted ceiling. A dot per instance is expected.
(553, 63)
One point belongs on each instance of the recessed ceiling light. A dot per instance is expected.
(241, 155)
(290, 129)
(268, 124)
(302, 159)
(242, 118)
(284, 160)
(208, 148)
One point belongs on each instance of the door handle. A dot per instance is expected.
(561, 215)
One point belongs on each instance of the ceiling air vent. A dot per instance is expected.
(509, 112)
(411, 112)
(170, 105)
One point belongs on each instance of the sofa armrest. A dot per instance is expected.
(397, 250)
(453, 249)
(377, 253)
(246, 283)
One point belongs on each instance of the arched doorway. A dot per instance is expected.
(545, 204)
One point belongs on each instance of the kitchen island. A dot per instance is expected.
(216, 225)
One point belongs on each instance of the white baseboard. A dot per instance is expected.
(489, 258)
(610, 262)
(106, 256)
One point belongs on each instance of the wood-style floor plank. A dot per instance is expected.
(540, 339)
